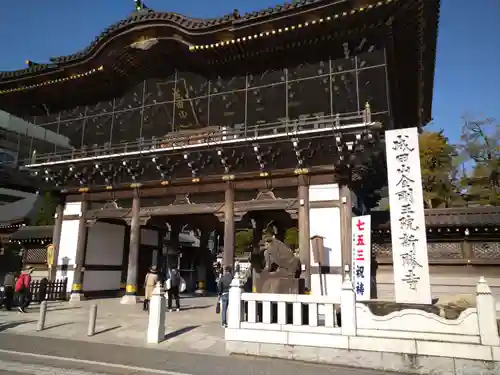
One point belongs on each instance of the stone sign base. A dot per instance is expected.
(405, 363)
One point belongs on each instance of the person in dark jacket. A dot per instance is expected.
(223, 287)
(9, 283)
(173, 292)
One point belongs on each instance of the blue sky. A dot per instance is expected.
(468, 61)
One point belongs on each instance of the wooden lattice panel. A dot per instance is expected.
(36, 255)
(444, 250)
(486, 250)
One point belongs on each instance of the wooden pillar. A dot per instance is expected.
(258, 227)
(229, 228)
(173, 248)
(126, 248)
(346, 225)
(81, 242)
(130, 296)
(202, 259)
(56, 236)
(304, 230)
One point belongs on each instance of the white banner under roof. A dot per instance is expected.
(408, 235)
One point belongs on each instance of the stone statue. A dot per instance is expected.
(277, 268)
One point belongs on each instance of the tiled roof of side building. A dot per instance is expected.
(192, 27)
(484, 216)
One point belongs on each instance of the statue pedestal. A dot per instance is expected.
(269, 283)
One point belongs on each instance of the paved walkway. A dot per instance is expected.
(196, 328)
(44, 356)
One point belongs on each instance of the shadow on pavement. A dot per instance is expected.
(58, 325)
(33, 308)
(179, 332)
(6, 326)
(107, 329)
(197, 307)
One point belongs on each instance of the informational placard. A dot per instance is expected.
(408, 234)
(361, 256)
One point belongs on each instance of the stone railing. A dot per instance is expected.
(322, 329)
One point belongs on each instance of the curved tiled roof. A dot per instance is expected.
(449, 217)
(190, 26)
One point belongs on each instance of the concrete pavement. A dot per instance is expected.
(22, 354)
(196, 328)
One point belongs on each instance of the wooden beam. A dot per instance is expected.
(257, 183)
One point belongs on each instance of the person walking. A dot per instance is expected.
(173, 284)
(149, 284)
(223, 287)
(9, 284)
(22, 289)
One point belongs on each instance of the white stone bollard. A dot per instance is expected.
(157, 308)
(234, 310)
(348, 308)
(486, 314)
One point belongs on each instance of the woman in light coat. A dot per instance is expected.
(149, 285)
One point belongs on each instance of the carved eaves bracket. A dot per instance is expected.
(90, 222)
(294, 213)
(238, 216)
(143, 220)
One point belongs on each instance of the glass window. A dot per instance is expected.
(307, 70)
(100, 108)
(191, 113)
(345, 98)
(192, 85)
(126, 126)
(132, 98)
(227, 109)
(73, 130)
(157, 121)
(266, 104)
(97, 131)
(159, 90)
(227, 84)
(309, 96)
(373, 89)
(268, 77)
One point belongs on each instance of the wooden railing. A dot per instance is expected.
(209, 135)
(48, 290)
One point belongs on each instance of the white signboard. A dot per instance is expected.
(361, 256)
(408, 236)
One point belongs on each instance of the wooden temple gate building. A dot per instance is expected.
(275, 115)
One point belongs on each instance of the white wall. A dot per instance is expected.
(105, 244)
(325, 222)
(104, 247)
(67, 245)
(101, 280)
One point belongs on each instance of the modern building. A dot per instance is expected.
(273, 117)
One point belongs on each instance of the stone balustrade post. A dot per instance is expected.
(348, 308)
(486, 314)
(234, 310)
(156, 323)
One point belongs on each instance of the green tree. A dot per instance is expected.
(292, 238)
(481, 148)
(46, 210)
(243, 241)
(440, 166)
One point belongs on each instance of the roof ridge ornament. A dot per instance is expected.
(140, 6)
